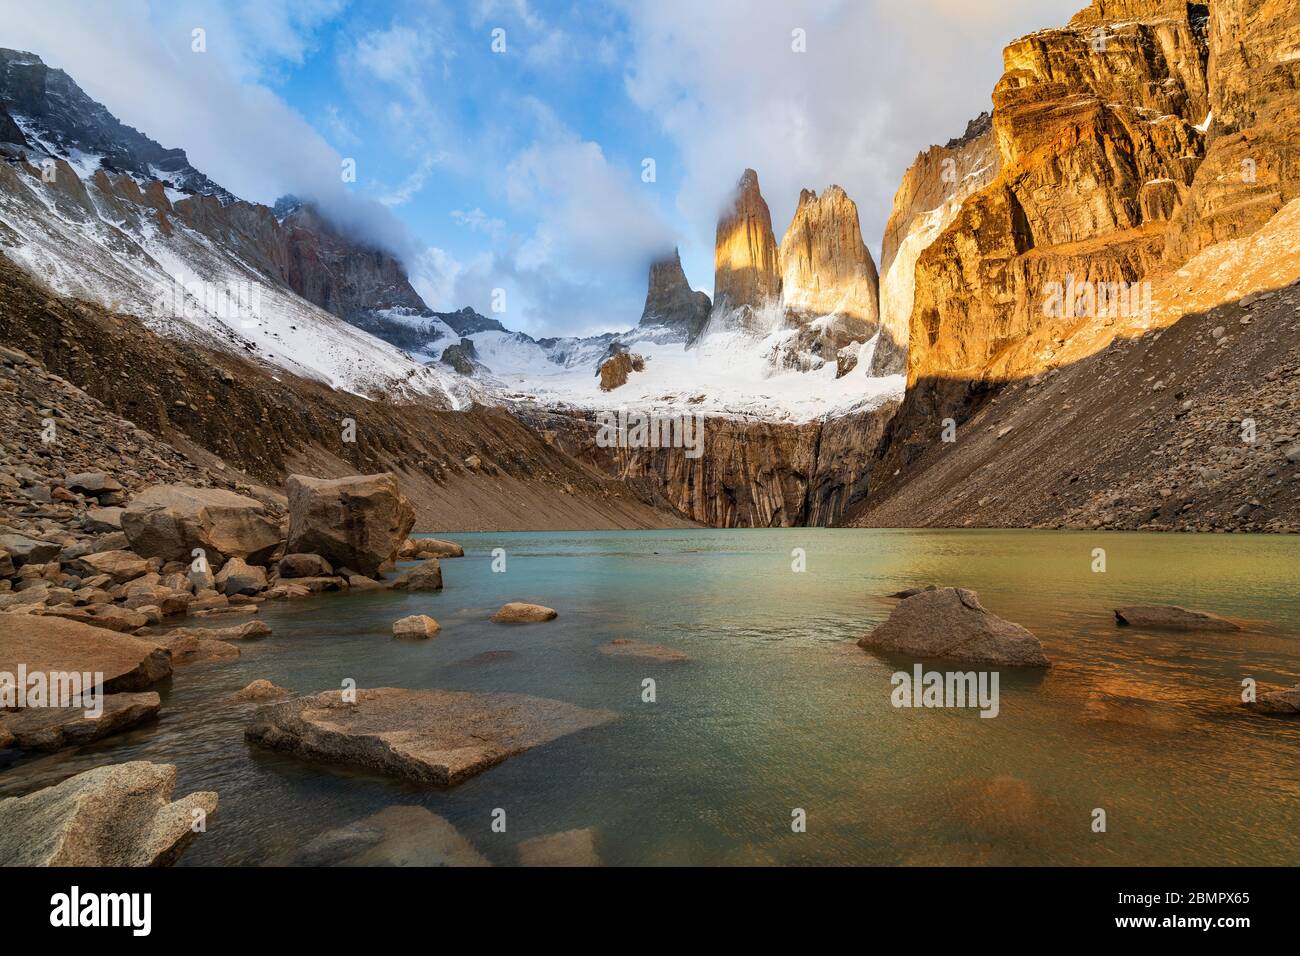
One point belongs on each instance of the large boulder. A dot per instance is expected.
(422, 577)
(951, 624)
(170, 521)
(118, 815)
(440, 737)
(50, 644)
(1170, 617)
(360, 523)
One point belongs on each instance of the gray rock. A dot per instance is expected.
(950, 623)
(118, 815)
(438, 737)
(239, 577)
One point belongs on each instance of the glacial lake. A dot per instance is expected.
(778, 710)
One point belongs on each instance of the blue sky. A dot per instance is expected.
(522, 169)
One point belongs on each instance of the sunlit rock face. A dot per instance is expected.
(827, 270)
(747, 265)
(927, 201)
(1252, 167)
(1096, 130)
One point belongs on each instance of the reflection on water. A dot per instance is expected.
(777, 708)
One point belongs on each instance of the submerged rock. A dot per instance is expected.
(119, 815)
(400, 835)
(1170, 617)
(517, 612)
(570, 848)
(625, 647)
(951, 623)
(438, 737)
(418, 626)
(1280, 703)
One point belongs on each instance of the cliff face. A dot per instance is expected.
(1252, 167)
(1098, 148)
(749, 475)
(1112, 176)
(931, 194)
(826, 268)
(747, 267)
(671, 301)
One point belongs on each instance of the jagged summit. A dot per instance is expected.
(670, 300)
(747, 268)
(57, 118)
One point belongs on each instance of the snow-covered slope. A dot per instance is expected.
(88, 238)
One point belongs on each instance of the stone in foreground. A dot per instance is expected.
(516, 612)
(119, 815)
(626, 647)
(50, 644)
(50, 728)
(950, 623)
(359, 522)
(418, 626)
(438, 737)
(1278, 703)
(1170, 617)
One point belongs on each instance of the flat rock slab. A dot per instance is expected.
(188, 648)
(118, 815)
(51, 728)
(440, 737)
(1170, 617)
(50, 644)
(625, 647)
(570, 848)
(951, 624)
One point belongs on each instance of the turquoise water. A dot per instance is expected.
(777, 709)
